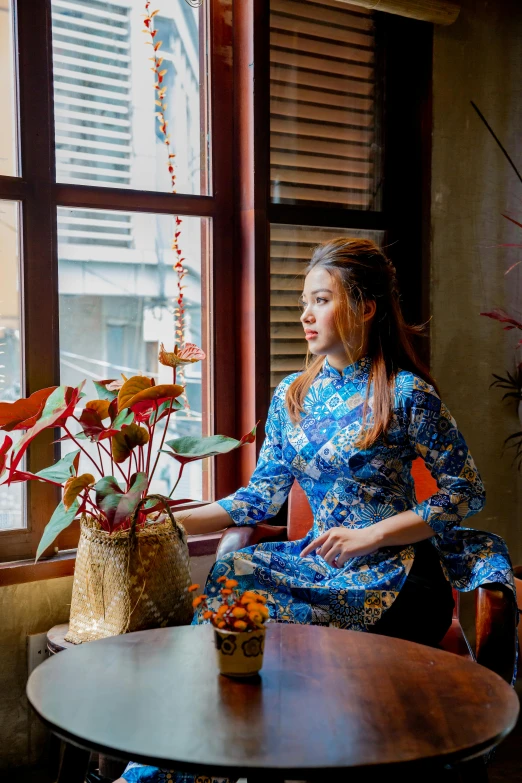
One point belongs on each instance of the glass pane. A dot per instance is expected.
(11, 498)
(118, 291)
(324, 106)
(107, 131)
(8, 152)
(290, 251)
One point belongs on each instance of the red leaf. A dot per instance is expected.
(23, 413)
(500, 315)
(57, 409)
(4, 448)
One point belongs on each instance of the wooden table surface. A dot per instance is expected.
(326, 700)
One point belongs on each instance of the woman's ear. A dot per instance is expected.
(370, 309)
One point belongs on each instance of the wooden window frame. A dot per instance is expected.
(40, 195)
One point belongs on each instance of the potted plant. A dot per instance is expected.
(239, 627)
(132, 567)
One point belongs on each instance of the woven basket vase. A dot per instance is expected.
(129, 580)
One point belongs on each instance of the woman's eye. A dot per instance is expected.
(320, 300)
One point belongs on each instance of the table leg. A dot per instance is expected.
(73, 765)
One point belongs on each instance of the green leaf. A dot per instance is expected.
(62, 470)
(123, 419)
(188, 449)
(102, 391)
(115, 504)
(61, 519)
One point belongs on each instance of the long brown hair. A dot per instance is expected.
(361, 272)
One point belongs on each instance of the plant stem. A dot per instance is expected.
(151, 437)
(161, 446)
(130, 472)
(100, 471)
(178, 480)
(113, 463)
(101, 459)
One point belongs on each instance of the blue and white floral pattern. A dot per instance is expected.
(138, 773)
(356, 488)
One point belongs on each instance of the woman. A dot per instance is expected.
(347, 429)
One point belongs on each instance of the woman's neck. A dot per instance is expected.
(340, 361)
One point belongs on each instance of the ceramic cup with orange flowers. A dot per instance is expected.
(239, 628)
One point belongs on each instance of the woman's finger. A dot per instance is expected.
(332, 554)
(327, 546)
(314, 544)
(342, 559)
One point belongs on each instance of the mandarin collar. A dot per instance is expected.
(357, 370)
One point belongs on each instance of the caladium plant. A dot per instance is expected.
(116, 475)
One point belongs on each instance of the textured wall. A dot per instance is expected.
(478, 58)
(25, 609)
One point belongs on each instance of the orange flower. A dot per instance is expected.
(226, 591)
(221, 579)
(221, 624)
(222, 609)
(193, 587)
(249, 596)
(208, 614)
(239, 612)
(255, 617)
(260, 608)
(231, 583)
(198, 600)
(240, 625)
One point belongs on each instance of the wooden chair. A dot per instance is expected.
(495, 613)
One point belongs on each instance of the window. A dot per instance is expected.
(107, 131)
(330, 137)
(114, 131)
(11, 498)
(8, 128)
(117, 295)
(326, 153)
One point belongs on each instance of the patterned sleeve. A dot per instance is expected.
(271, 481)
(435, 437)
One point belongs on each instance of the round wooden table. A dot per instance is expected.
(327, 702)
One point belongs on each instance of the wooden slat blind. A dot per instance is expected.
(290, 251)
(324, 146)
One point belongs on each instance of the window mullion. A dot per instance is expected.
(39, 249)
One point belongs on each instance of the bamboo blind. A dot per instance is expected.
(324, 147)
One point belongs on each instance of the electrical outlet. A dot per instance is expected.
(36, 650)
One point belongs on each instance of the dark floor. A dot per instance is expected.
(506, 766)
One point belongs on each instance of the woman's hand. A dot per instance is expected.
(343, 543)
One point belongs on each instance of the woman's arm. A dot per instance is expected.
(207, 519)
(267, 489)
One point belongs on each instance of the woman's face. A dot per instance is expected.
(318, 319)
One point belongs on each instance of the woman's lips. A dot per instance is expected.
(310, 335)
